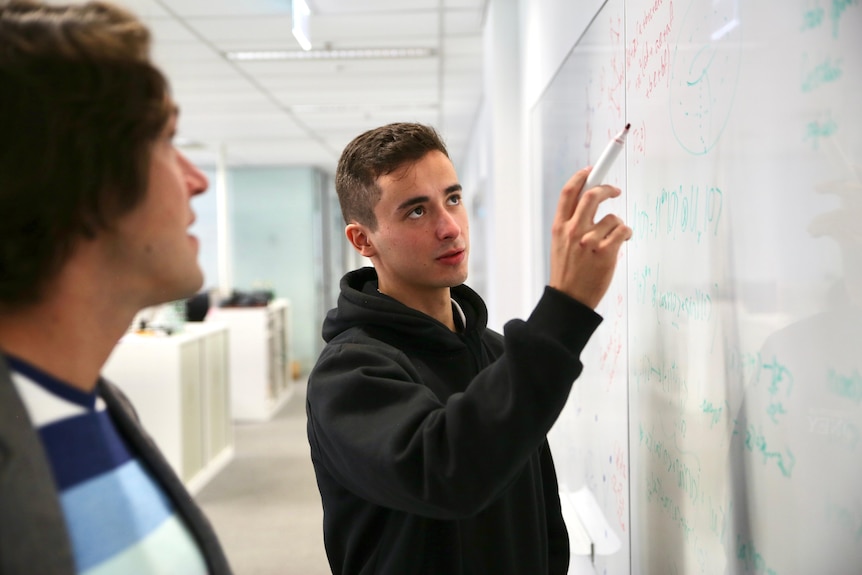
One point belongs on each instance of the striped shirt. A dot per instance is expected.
(119, 519)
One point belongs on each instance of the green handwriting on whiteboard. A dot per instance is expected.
(715, 412)
(681, 212)
(665, 376)
(817, 130)
(656, 494)
(778, 374)
(687, 479)
(815, 17)
(774, 410)
(687, 517)
(751, 558)
(825, 72)
(704, 76)
(755, 442)
(742, 365)
(696, 306)
(846, 386)
(838, 8)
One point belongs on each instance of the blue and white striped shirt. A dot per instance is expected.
(119, 519)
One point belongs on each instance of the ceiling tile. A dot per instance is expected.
(295, 112)
(347, 6)
(461, 22)
(226, 8)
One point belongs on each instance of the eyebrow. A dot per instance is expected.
(172, 119)
(422, 199)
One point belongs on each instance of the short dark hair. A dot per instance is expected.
(376, 153)
(80, 108)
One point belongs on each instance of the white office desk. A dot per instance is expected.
(259, 358)
(180, 387)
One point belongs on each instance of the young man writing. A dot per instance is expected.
(427, 430)
(95, 204)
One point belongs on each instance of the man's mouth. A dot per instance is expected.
(452, 257)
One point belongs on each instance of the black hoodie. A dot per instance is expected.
(430, 446)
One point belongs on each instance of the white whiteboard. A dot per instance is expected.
(718, 422)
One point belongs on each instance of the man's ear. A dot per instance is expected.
(359, 238)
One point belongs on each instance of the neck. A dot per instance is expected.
(436, 303)
(69, 335)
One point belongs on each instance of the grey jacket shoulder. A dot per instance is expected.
(33, 536)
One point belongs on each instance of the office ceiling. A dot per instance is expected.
(290, 112)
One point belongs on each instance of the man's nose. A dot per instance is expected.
(196, 181)
(447, 226)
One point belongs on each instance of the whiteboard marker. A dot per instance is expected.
(606, 160)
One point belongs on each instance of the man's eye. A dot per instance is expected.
(454, 199)
(416, 212)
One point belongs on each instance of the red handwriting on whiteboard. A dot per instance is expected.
(612, 82)
(648, 52)
(612, 348)
(619, 484)
(637, 141)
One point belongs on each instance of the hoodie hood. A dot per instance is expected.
(360, 305)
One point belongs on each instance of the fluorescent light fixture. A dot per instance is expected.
(354, 108)
(185, 143)
(356, 54)
(725, 30)
(299, 13)
(731, 22)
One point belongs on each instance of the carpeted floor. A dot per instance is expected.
(265, 505)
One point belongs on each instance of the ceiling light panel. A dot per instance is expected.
(477, 4)
(365, 97)
(369, 70)
(334, 54)
(329, 6)
(350, 85)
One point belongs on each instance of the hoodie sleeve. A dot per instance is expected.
(390, 440)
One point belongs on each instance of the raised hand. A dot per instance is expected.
(584, 252)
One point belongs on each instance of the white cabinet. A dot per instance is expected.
(260, 371)
(180, 388)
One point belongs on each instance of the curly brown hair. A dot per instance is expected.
(376, 153)
(80, 107)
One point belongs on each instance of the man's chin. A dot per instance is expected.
(184, 289)
(457, 280)
(195, 285)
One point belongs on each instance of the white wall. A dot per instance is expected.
(525, 42)
(507, 231)
(551, 29)
(473, 175)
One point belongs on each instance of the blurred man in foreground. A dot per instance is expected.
(95, 204)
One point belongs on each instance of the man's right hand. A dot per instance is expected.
(583, 252)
